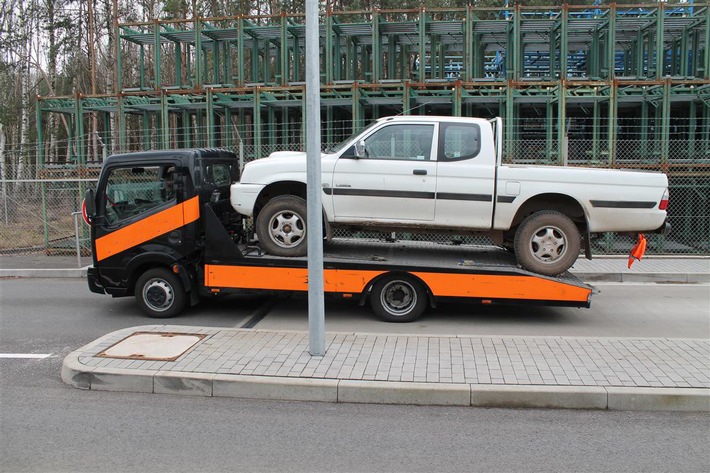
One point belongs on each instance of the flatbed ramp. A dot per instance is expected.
(352, 267)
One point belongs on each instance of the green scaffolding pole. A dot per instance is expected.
(329, 37)
(164, 121)
(157, 73)
(660, 56)
(257, 122)
(79, 124)
(422, 46)
(376, 48)
(198, 53)
(470, 46)
(209, 111)
(613, 87)
(562, 150)
(283, 50)
(241, 57)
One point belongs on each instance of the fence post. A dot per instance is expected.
(4, 203)
(76, 238)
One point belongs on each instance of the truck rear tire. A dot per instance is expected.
(547, 242)
(281, 226)
(398, 298)
(160, 294)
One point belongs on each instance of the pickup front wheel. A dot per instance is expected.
(547, 243)
(281, 226)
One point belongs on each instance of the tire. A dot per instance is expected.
(547, 242)
(398, 298)
(160, 294)
(281, 226)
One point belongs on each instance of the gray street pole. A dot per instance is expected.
(316, 305)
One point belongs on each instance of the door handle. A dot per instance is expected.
(419, 172)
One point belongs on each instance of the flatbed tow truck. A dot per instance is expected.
(163, 230)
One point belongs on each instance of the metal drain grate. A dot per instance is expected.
(152, 346)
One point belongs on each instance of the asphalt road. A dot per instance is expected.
(49, 426)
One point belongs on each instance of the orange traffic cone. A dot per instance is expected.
(638, 250)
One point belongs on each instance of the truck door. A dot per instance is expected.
(465, 177)
(140, 209)
(396, 180)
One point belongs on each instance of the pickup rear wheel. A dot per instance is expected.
(398, 298)
(547, 242)
(160, 294)
(281, 226)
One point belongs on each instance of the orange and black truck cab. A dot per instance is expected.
(163, 230)
(148, 212)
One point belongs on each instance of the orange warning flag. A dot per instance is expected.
(638, 250)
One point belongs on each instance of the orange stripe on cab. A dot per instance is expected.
(148, 228)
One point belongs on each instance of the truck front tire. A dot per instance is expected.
(547, 242)
(160, 294)
(281, 226)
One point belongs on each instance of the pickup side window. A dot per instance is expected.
(136, 190)
(460, 141)
(405, 141)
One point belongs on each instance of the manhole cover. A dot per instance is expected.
(153, 346)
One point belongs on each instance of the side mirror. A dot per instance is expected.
(360, 149)
(90, 202)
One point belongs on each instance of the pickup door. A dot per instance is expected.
(396, 180)
(465, 177)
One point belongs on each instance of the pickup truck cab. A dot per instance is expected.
(444, 174)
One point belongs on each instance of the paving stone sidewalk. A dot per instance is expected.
(555, 361)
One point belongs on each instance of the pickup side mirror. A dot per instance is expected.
(360, 149)
(90, 202)
(356, 151)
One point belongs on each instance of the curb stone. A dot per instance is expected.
(565, 397)
(659, 399)
(273, 388)
(384, 392)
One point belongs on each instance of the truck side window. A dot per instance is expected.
(131, 191)
(216, 179)
(460, 141)
(407, 141)
(218, 174)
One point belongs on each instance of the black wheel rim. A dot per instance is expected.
(158, 295)
(398, 298)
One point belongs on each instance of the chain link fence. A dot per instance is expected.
(38, 211)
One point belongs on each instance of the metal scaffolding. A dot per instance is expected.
(608, 75)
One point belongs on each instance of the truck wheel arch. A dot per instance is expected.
(147, 261)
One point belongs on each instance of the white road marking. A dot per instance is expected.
(37, 356)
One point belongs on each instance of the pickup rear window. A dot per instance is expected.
(460, 141)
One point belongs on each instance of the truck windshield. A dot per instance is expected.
(347, 141)
(131, 191)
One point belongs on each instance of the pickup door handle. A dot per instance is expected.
(419, 172)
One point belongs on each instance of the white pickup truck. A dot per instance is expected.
(433, 174)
